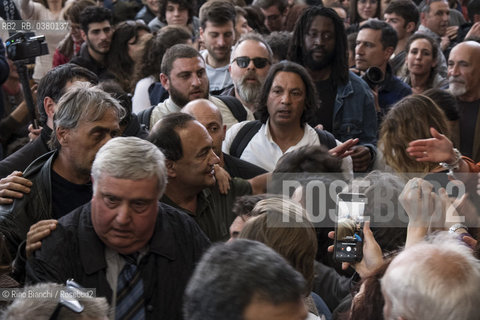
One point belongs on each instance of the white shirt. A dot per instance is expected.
(168, 106)
(264, 152)
(141, 97)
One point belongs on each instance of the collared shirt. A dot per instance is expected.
(168, 106)
(214, 210)
(115, 264)
(264, 152)
(74, 250)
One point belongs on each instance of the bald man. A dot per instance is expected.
(210, 117)
(464, 84)
(435, 280)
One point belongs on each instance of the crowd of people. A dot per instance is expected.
(189, 159)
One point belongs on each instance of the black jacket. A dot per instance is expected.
(75, 251)
(16, 218)
(83, 59)
(20, 159)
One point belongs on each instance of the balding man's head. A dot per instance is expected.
(437, 280)
(207, 113)
(463, 70)
(188, 150)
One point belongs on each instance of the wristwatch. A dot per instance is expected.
(457, 226)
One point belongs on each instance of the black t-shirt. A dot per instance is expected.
(468, 121)
(327, 93)
(67, 196)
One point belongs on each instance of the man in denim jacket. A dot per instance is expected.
(347, 109)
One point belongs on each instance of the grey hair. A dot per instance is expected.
(254, 37)
(82, 102)
(426, 6)
(43, 308)
(433, 280)
(130, 158)
(283, 205)
(228, 278)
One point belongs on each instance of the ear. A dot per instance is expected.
(49, 106)
(63, 136)
(171, 169)
(164, 80)
(410, 27)
(200, 29)
(422, 17)
(388, 52)
(83, 35)
(224, 131)
(229, 68)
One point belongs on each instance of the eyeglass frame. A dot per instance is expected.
(255, 62)
(71, 303)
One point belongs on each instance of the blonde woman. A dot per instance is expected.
(410, 119)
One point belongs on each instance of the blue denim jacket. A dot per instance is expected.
(354, 113)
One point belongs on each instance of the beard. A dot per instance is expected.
(180, 99)
(98, 49)
(313, 64)
(457, 86)
(249, 92)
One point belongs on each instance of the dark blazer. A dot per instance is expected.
(75, 251)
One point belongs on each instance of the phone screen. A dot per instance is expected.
(349, 226)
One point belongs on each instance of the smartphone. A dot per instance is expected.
(348, 243)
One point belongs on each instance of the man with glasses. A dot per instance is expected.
(184, 76)
(251, 61)
(347, 108)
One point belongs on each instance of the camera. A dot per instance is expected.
(26, 46)
(373, 76)
(22, 49)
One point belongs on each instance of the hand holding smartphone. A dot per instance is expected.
(348, 245)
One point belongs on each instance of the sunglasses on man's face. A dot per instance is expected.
(259, 63)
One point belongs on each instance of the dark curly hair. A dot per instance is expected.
(183, 4)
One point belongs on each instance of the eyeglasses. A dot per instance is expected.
(259, 63)
(68, 300)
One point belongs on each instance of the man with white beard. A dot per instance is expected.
(249, 65)
(464, 84)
